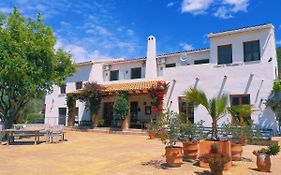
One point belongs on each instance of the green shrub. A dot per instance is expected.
(121, 106)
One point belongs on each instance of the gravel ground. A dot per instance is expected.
(99, 153)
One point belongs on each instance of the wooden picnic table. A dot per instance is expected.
(11, 133)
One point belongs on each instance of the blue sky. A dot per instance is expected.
(96, 29)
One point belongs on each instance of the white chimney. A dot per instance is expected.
(151, 66)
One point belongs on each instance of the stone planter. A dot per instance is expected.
(224, 147)
(173, 156)
(236, 151)
(190, 150)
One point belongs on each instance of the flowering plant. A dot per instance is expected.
(157, 92)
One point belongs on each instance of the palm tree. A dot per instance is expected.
(216, 107)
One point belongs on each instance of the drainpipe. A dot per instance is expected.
(170, 94)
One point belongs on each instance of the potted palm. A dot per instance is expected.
(190, 135)
(152, 129)
(263, 157)
(217, 108)
(215, 160)
(169, 133)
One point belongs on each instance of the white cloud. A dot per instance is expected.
(224, 9)
(130, 32)
(195, 6)
(223, 12)
(278, 42)
(171, 4)
(237, 5)
(6, 10)
(186, 46)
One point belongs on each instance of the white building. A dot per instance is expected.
(241, 63)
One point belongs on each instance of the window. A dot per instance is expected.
(251, 51)
(63, 89)
(78, 85)
(62, 116)
(136, 73)
(114, 75)
(186, 110)
(171, 65)
(240, 100)
(225, 54)
(204, 61)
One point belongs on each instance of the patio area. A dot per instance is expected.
(100, 153)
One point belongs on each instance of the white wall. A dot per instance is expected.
(211, 81)
(57, 100)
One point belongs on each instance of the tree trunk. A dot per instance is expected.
(214, 131)
(71, 114)
(95, 120)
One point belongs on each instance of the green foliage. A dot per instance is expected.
(169, 128)
(100, 122)
(192, 132)
(216, 107)
(31, 112)
(276, 86)
(279, 58)
(242, 133)
(121, 106)
(71, 104)
(29, 65)
(272, 149)
(238, 111)
(153, 127)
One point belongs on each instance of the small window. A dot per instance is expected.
(63, 89)
(171, 65)
(240, 100)
(186, 110)
(78, 85)
(225, 54)
(136, 73)
(204, 61)
(251, 51)
(114, 75)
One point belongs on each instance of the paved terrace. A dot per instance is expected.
(99, 153)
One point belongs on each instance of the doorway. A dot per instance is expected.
(108, 113)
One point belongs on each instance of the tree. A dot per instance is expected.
(121, 107)
(92, 95)
(274, 101)
(216, 107)
(29, 65)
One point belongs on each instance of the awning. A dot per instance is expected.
(136, 87)
(132, 87)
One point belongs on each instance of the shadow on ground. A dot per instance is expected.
(158, 164)
(203, 172)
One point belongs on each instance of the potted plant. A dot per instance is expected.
(263, 156)
(121, 108)
(169, 133)
(215, 160)
(190, 135)
(217, 108)
(152, 129)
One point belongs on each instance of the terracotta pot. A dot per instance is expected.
(190, 150)
(174, 156)
(151, 135)
(224, 147)
(263, 162)
(236, 151)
